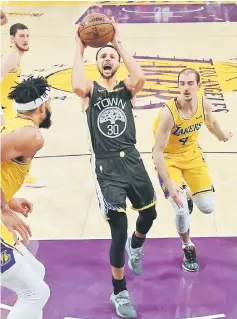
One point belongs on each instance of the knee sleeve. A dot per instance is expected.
(145, 220)
(182, 218)
(119, 226)
(40, 294)
(204, 202)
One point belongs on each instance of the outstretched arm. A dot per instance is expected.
(80, 84)
(212, 124)
(136, 81)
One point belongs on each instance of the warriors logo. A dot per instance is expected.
(112, 122)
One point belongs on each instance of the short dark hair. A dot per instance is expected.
(29, 90)
(17, 26)
(106, 46)
(190, 70)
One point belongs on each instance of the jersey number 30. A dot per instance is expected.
(183, 141)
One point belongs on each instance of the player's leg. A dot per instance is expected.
(33, 293)
(143, 198)
(189, 196)
(35, 264)
(111, 193)
(182, 218)
(120, 296)
(200, 183)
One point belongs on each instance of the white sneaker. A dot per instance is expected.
(134, 258)
(123, 305)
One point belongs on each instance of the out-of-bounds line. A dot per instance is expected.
(148, 237)
(205, 317)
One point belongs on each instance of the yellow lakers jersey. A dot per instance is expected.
(9, 81)
(185, 132)
(13, 172)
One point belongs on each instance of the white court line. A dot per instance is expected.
(205, 317)
(6, 307)
(55, 190)
(217, 316)
(109, 238)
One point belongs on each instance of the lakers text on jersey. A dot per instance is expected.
(183, 156)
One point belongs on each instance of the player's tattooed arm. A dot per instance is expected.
(81, 86)
(25, 141)
(136, 80)
(212, 124)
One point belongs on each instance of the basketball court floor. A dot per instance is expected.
(69, 235)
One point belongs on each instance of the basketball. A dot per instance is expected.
(96, 30)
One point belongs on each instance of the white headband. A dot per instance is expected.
(33, 104)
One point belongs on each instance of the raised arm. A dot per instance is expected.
(136, 80)
(212, 124)
(81, 86)
(25, 141)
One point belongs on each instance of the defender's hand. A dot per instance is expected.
(174, 192)
(14, 224)
(227, 136)
(21, 206)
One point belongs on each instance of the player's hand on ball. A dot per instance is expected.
(14, 224)
(115, 39)
(79, 41)
(227, 136)
(174, 192)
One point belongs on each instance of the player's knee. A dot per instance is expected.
(205, 202)
(182, 218)
(40, 270)
(44, 294)
(37, 293)
(145, 219)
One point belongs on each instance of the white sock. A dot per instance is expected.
(189, 244)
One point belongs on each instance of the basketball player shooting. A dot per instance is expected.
(177, 155)
(118, 168)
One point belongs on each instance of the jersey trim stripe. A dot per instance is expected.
(171, 114)
(203, 111)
